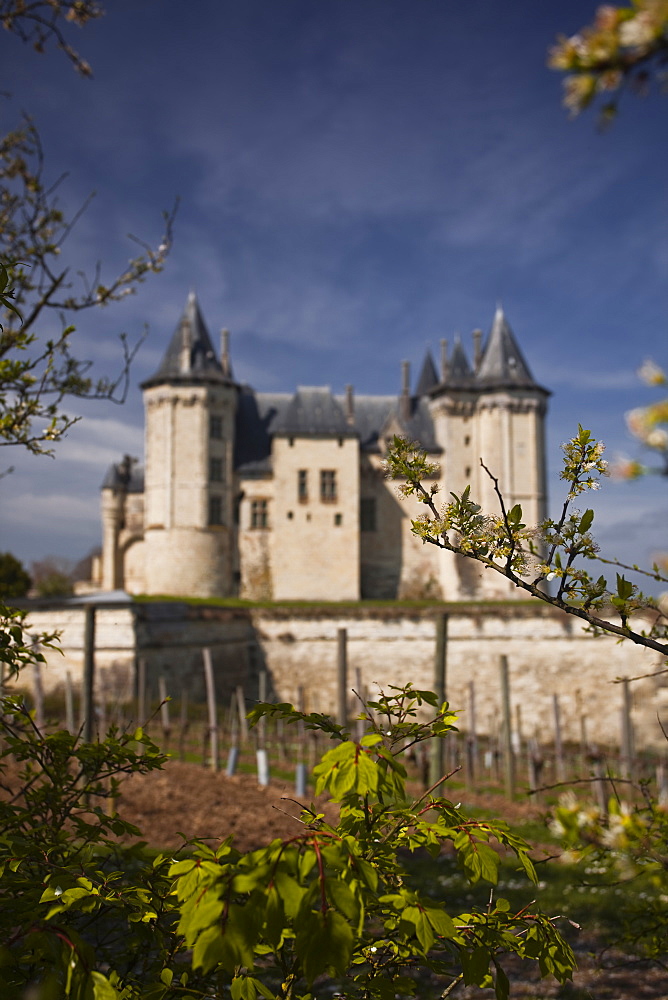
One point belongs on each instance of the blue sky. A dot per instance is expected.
(357, 180)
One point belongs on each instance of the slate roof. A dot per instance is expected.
(190, 342)
(460, 373)
(419, 426)
(428, 378)
(503, 365)
(262, 415)
(257, 412)
(313, 410)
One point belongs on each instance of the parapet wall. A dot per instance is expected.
(548, 653)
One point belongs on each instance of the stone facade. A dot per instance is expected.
(283, 496)
(548, 653)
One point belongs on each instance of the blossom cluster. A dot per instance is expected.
(618, 46)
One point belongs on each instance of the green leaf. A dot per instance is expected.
(475, 966)
(586, 521)
(166, 977)
(367, 872)
(416, 918)
(324, 941)
(290, 891)
(102, 988)
(343, 899)
(243, 988)
(262, 989)
(441, 922)
(501, 984)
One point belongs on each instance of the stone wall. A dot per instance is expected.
(548, 653)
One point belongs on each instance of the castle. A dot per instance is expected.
(283, 496)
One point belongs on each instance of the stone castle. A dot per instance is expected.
(283, 496)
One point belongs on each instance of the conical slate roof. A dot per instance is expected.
(503, 363)
(428, 377)
(459, 369)
(190, 356)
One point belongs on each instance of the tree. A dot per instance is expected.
(37, 368)
(530, 557)
(52, 576)
(90, 918)
(39, 21)
(15, 581)
(649, 425)
(36, 371)
(625, 48)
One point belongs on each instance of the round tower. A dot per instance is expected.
(494, 412)
(190, 405)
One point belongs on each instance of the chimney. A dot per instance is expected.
(225, 352)
(185, 359)
(405, 401)
(350, 405)
(444, 361)
(477, 349)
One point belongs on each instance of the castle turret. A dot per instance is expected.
(494, 412)
(511, 408)
(190, 406)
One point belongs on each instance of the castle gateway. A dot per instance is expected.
(283, 496)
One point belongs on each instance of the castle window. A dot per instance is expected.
(259, 514)
(216, 470)
(467, 471)
(338, 520)
(368, 514)
(215, 510)
(467, 440)
(302, 485)
(328, 492)
(215, 427)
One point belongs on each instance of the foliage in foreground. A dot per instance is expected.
(623, 849)
(562, 550)
(91, 919)
(625, 47)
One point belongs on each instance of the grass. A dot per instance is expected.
(588, 906)
(238, 602)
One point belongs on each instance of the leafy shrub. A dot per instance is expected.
(90, 918)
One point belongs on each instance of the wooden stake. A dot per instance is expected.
(437, 748)
(38, 692)
(560, 770)
(69, 703)
(241, 707)
(473, 731)
(89, 673)
(164, 708)
(185, 724)
(261, 728)
(141, 692)
(342, 677)
(213, 712)
(508, 755)
(627, 731)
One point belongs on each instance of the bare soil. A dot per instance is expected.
(191, 800)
